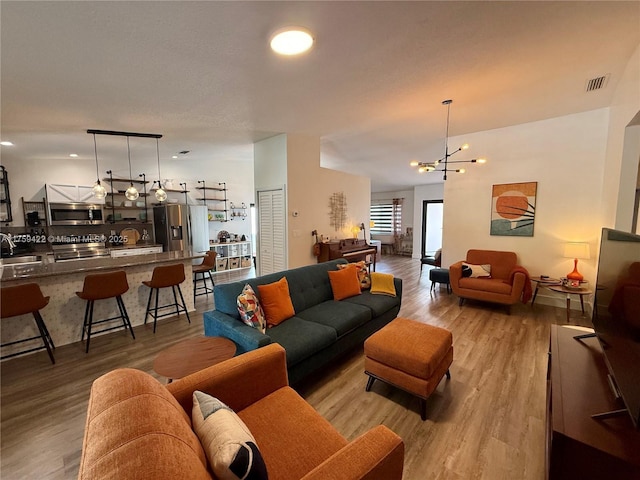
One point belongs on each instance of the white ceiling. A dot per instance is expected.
(201, 74)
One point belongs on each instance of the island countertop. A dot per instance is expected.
(51, 269)
(60, 281)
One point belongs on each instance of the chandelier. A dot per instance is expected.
(443, 164)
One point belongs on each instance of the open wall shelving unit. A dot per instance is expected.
(215, 198)
(137, 213)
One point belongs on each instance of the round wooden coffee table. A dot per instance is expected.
(191, 355)
(581, 292)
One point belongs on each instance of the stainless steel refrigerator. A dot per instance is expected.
(181, 227)
(171, 225)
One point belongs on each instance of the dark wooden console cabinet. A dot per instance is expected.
(578, 446)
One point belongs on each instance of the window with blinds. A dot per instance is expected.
(387, 218)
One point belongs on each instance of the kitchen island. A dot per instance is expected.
(61, 280)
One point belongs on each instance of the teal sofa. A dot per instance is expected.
(322, 328)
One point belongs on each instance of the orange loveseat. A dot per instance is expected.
(508, 284)
(139, 428)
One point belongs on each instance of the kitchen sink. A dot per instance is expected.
(23, 260)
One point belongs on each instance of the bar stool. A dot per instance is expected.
(20, 300)
(208, 263)
(101, 286)
(163, 277)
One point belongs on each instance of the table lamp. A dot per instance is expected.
(576, 250)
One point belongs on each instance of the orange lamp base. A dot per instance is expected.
(575, 275)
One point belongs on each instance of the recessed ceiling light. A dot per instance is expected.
(6, 144)
(174, 156)
(73, 155)
(291, 41)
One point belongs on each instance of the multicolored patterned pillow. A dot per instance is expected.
(363, 273)
(250, 310)
(229, 445)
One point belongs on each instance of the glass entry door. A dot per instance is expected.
(432, 214)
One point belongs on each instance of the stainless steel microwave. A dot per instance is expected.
(75, 214)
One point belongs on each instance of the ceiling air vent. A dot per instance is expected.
(597, 83)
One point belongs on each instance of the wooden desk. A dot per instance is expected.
(192, 355)
(578, 446)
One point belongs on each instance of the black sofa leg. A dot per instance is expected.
(461, 301)
(369, 383)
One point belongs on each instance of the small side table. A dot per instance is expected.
(542, 282)
(192, 355)
(581, 292)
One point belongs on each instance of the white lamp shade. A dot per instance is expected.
(577, 250)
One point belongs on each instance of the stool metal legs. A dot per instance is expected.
(179, 306)
(44, 335)
(88, 321)
(204, 290)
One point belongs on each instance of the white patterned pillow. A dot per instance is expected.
(230, 448)
(250, 310)
(476, 271)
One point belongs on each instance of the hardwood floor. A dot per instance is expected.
(487, 422)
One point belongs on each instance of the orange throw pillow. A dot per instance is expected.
(276, 302)
(345, 282)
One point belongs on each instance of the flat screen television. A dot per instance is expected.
(616, 315)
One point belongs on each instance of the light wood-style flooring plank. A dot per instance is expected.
(487, 422)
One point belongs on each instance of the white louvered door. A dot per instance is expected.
(271, 231)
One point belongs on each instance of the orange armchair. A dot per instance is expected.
(139, 428)
(508, 284)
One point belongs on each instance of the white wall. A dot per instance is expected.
(293, 160)
(617, 197)
(309, 190)
(565, 156)
(270, 165)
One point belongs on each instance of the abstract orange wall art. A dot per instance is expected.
(513, 209)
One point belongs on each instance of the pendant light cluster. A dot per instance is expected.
(132, 192)
(442, 164)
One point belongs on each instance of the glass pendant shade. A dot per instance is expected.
(131, 193)
(161, 195)
(98, 190)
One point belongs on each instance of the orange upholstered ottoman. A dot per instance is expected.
(409, 355)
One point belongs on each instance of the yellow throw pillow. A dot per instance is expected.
(276, 302)
(382, 284)
(344, 282)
